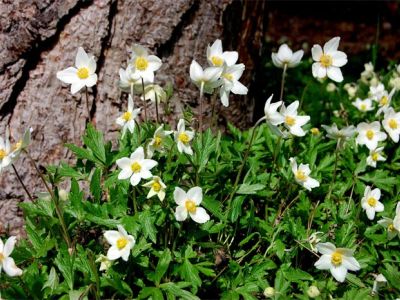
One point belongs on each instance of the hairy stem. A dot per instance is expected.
(22, 183)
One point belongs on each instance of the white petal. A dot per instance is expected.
(326, 248)
(216, 48)
(149, 164)
(113, 253)
(125, 253)
(224, 95)
(181, 213)
(339, 59)
(339, 273)
(316, 52)
(276, 61)
(200, 216)
(335, 74)
(77, 86)
(239, 89)
(331, 45)
(351, 263)
(285, 53)
(323, 263)
(179, 196)
(145, 174)
(124, 162)
(112, 236)
(91, 81)
(10, 268)
(318, 70)
(196, 71)
(370, 213)
(92, 65)
(212, 74)
(9, 246)
(195, 194)
(154, 63)
(296, 58)
(135, 179)
(138, 154)
(81, 59)
(69, 75)
(230, 57)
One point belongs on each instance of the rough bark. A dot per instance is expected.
(39, 38)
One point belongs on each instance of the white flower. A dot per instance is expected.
(378, 282)
(206, 80)
(328, 61)
(230, 83)
(396, 220)
(391, 123)
(143, 64)
(136, 167)
(384, 102)
(369, 134)
(183, 138)
(158, 140)
(370, 202)
(285, 56)
(21, 144)
(105, 263)
(363, 105)
(130, 80)
(153, 91)
(292, 121)
(375, 156)
(301, 175)
(217, 58)
(376, 92)
(6, 262)
(82, 75)
(6, 157)
(343, 134)
(157, 187)
(121, 243)
(313, 240)
(188, 203)
(272, 115)
(127, 120)
(395, 82)
(389, 225)
(351, 89)
(336, 260)
(313, 292)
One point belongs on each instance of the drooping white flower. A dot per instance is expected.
(153, 92)
(379, 281)
(157, 187)
(370, 134)
(271, 113)
(384, 102)
(363, 105)
(285, 56)
(313, 240)
(128, 119)
(206, 80)
(337, 260)
(6, 262)
(136, 167)
(188, 204)
(292, 121)
(143, 64)
(83, 74)
(328, 61)
(158, 140)
(375, 156)
(21, 144)
(389, 225)
(230, 83)
(183, 138)
(105, 263)
(217, 57)
(391, 124)
(121, 243)
(301, 175)
(130, 81)
(6, 157)
(343, 134)
(370, 202)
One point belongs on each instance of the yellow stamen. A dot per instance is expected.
(370, 134)
(301, 176)
(391, 227)
(1, 257)
(375, 156)
(184, 138)
(384, 100)
(290, 121)
(337, 258)
(17, 145)
(314, 131)
(156, 186)
(135, 167)
(326, 60)
(121, 243)
(190, 206)
(228, 76)
(141, 63)
(3, 153)
(371, 201)
(217, 61)
(83, 73)
(393, 124)
(127, 116)
(363, 106)
(157, 141)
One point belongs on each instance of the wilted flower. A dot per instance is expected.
(230, 83)
(389, 225)
(370, 202)
(153, 92)
(336, 260)
(22, 144)
(341, 135)
(143, 64)
(206, 80)
(285, 56)
(105, 263)
(183, 138)
(379, 281)
(121, 243)
(217, 58)
(329, 60)
(127, 120)
(6, 262)
(370, 134)
(292, 121)
(188, 203)
(158, 140)
(301, 174)
(391, 124)
(82, 75)
(313, 240)
(136, 167)
(363, 105)
(375, 156)
(157, 187)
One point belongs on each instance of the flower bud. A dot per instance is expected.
(269, 292)
(313, 292)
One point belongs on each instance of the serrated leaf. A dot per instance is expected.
(95, 187)
(162, 266)
(250, 189)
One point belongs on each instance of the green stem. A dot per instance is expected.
(22, 183)
(283, 81)
(144, 102)
(176, 238)
(334, 171)
(157, 117)
(201, 111)
(135, 210)
(275, 154)
(303, 94)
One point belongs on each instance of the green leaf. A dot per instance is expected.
(95, 142)
(76, 198)
(381, 179)
(64, 263)
(297, 275)
(147, 220)
(175, 290)
(236, 209)
(190, 273)
(151, 293)
(95, 187)
(162, 266)
(80, 152)
(250, 189)
(52, 280)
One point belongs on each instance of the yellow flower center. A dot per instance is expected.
(183, 137)
(121, 243)
(83, 73)
(157, 141)
(3, 153)
(337, 258)
(127, 116)
(17, 145)
(156, 186)
(301, 176)
(371, 201)
(384, 100)
(326, 60)
(391, 227)
(217, 61)
(375, 156)
(363, 106)
(290, 121)
(1, 257)
(190, 206)
(135, 167)
(141, 63)
(393, 124)
(370, 134)
(314, 131)
(228, 76)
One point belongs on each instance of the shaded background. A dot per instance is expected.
(39, 38)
